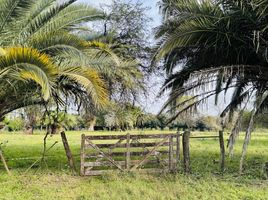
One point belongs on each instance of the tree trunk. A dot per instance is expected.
(29, 130)
(222, 149)
(92, 123)
(246, 141)
(55, 128)
(2, 125)
(234, 134)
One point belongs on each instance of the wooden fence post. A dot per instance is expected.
(222, 148)
(171, 159)
(82, 155)
(4, 162)
(178, 146)
(186, 151)
(68, 152)
(128, 152)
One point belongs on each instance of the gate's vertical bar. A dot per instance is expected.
(178, 146)
(128, 152)
(186, 151)
(82, 155)
(222, 148)
(171, 159)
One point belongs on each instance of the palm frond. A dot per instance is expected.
(89, 80)
(29, 65)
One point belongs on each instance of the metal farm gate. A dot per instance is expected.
(127, 153)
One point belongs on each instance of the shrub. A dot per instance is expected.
(15, 124)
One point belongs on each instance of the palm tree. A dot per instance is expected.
(211, 47)
(118, 117)
(43, 31)
(122, 73)
(51, 60)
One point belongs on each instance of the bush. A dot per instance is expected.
(15, 124)
(208, 123)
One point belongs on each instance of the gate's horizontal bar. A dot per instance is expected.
(105, 137)
(114, 137)
(123, 154)
(122, 163)
(147, 144)
(89, 172)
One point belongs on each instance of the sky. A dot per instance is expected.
(153, 12)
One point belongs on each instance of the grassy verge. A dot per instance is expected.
(116, 186)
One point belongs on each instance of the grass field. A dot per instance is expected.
(54, 180)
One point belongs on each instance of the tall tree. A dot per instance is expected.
(128, 23)
(126, 29)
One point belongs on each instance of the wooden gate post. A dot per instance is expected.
(82, 155)
(68, 152)
(186, 151)
(171, 159)
(222, 148)
(128, 152)
(178, 146)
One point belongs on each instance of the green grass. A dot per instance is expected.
(55, 181)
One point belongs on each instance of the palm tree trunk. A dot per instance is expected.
(234, 134)
(92, 123)
(246, 141)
